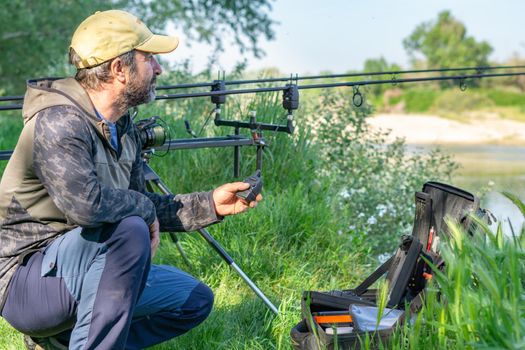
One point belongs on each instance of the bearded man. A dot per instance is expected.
(78, 229)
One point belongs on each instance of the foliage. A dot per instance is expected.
(11, 126)
(35, 35)
(445, 43)
(507, 103)
(376, 179)
(378, 65)
(33, 42)
(413, 100)
(505, 98)
(477, 303)
(516, 82)
(212, 21)
(419, 100)
(452, 101)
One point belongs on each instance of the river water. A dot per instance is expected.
(488, 171)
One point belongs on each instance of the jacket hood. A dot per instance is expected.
(45, 93)
(42, 94)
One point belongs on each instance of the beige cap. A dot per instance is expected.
(108, 34)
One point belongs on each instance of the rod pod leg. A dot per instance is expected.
(153, 178)
(149, 186)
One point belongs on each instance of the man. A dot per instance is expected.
(78, 229)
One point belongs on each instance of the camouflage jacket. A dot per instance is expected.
(64, 173)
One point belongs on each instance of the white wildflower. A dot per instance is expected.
(345, 194)
(381, 210)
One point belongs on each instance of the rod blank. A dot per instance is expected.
(480, 73)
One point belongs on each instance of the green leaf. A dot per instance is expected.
(517, 202)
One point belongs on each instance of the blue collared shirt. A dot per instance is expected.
(112, 130)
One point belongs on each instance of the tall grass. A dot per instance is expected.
(478, 301)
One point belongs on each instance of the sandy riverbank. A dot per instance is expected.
(431, 129)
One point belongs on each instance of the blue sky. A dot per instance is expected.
(338, 35)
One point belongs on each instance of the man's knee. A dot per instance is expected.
(136, 226)
(200, 302)
(132, 237)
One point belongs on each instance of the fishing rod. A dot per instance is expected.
(221, 86)
(395, 81)
(478, 69)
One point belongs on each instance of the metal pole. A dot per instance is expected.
(259, 157)
(173, 235)
(236, 157)
(176, 241)
(219, 249)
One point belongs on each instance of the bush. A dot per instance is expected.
(376, 180)
(419, 100)
(454, 101)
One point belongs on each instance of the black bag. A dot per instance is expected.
(437, 203)
(406, 271)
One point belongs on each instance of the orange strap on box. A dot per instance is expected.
(333, 319)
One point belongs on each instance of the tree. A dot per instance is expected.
(35, 35)
(445, 43)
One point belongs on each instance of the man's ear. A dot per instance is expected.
(118, 72)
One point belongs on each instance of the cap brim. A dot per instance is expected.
(159, 44)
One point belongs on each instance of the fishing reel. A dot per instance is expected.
(152, 132)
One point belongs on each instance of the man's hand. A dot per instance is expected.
(227, 203)
(154, 236)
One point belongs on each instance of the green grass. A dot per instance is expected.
(477, 303)
(9, 338)
(419, 100)
(453, 103)
(503, 98)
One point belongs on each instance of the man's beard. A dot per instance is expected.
(136, 93)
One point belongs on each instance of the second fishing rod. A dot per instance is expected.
(218, 87)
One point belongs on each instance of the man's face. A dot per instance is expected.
(142, 80)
